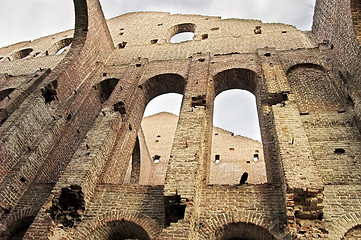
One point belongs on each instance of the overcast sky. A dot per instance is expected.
(22, 20)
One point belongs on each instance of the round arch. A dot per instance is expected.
(305, 65)
(119, 220)
(248, 80)
(235, 78)
(58, 47)
(161, 84)
(119, 230)
(341, 226)
(240, 225)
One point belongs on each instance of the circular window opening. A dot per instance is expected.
(182, 32)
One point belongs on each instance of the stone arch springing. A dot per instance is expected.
(356, 18)
(5, 93)
(134, 219)
(105, 88)
(230, 79)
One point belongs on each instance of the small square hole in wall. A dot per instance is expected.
(157, 140)
(231, 149)
(217, 159)
(153, 41)
(248, 161)
(216, 134)
(256, 157)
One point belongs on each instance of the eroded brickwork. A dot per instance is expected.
(76, 164)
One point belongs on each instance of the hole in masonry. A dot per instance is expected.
(339, 151)
(204, 36)
(255, 157)
(122, 45)
(217, 158)
(267, 54)
(156, 158)
(243, 179)
(153, 41)
(174, 209)
(258, 30)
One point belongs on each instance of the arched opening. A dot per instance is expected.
(243, 231)
(182, 32)
(119, 230)
(5, 93)
(353, 234)
(237, 153)
(105, 88)
(356, 17)
(163, 96)
(236, 140)
(62, 45)
(182, 37)
(159, 125)
(21, 54)
(18, 229)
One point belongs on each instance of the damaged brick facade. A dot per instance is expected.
(71, 122)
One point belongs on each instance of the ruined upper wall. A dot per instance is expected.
(337, 24)
(148, 34)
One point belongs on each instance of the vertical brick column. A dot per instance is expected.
(304, 187)
(184, 162)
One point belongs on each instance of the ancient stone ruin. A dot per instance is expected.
(76, 163)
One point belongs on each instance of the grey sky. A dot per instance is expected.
(22, 20)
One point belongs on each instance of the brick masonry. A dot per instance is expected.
(76, 164)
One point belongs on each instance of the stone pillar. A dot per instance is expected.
(185, 160)
(303, 183)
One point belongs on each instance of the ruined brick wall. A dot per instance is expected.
(69, 129)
